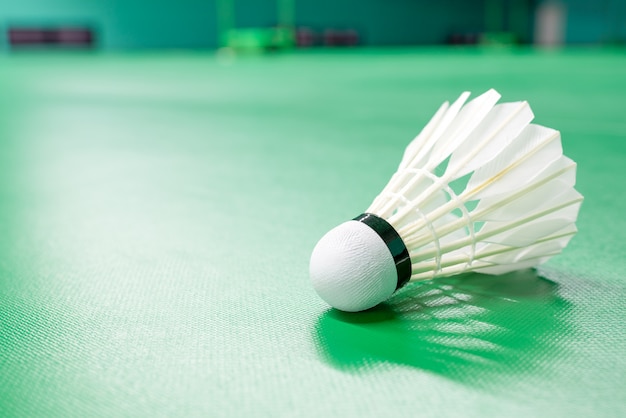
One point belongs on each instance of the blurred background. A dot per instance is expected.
(253, 25)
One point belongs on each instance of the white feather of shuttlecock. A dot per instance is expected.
(481, 189)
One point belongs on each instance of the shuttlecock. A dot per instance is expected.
(479, 189)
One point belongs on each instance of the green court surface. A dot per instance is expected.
(157, 214)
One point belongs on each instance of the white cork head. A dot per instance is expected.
(352, 268)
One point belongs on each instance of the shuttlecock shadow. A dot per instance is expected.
(471, 328)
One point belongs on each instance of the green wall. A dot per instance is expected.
(123, 24)
(130, 24)
(133, 24)
(395, 22)
(595, 21)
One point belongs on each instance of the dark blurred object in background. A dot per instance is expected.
(460, 38)
(334, 37)
(306, 37)
(61, 37)
(331, 37)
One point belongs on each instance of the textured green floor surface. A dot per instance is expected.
(157, 213)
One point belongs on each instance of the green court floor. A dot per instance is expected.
(157, 214)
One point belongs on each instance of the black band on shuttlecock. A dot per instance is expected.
(393, 241)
